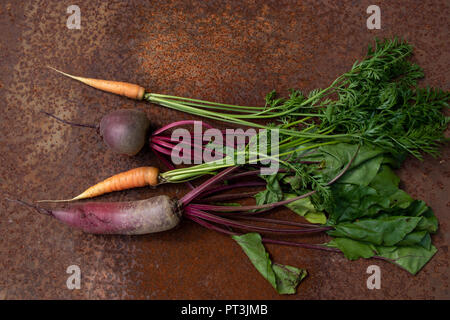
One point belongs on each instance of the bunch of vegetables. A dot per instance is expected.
(337, 152)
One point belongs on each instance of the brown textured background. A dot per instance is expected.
(230, 51)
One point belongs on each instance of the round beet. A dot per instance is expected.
(125, 131)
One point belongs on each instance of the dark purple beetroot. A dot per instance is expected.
(125, 131)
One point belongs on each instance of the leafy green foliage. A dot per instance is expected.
(409, 257)
(370, 214)
(272, 193)
(386, 231)
(284, 279)
(378, 103)
(367, 163)
(373, 217)
(376, 108)
(305, 208)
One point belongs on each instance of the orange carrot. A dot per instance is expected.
(138, 177)
(126, 89)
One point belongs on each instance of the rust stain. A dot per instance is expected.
(232, 51)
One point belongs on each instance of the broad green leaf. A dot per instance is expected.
(419, 238)
(305, 208)
(412, 258)
(284, 279)
(288, 278)
(386, 183)
(363, 168)
(382, 197)
(419, 208)
(386, 231)
(352, 202)
(353, 249)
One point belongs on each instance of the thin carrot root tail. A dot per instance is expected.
(126, 89)
(55, 201)
(134, 178)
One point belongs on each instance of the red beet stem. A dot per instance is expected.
(253, 207)
(160, 149)
(248, 173)
(180, 123)
(231, 186)
(232, 223)
(230, 196)
(164, 142)
(282, 222)
(195, 193)
(301, 245)
(209, 225)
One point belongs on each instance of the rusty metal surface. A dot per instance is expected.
(231, 51)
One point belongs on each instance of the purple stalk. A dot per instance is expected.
(247, 173)
(230, 196)
(267, 240)
(249, 213)
(231, 223)
(253, 207)
(282, 222)
(169, 139)
(313, 246)
(161, 142)
(160, 149)
(301, 245)
(180, 123)
(241, 214)
(170, 147)
(197, 191)
(232, 186)
(210, 226)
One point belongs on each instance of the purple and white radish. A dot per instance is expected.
(152, 215)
